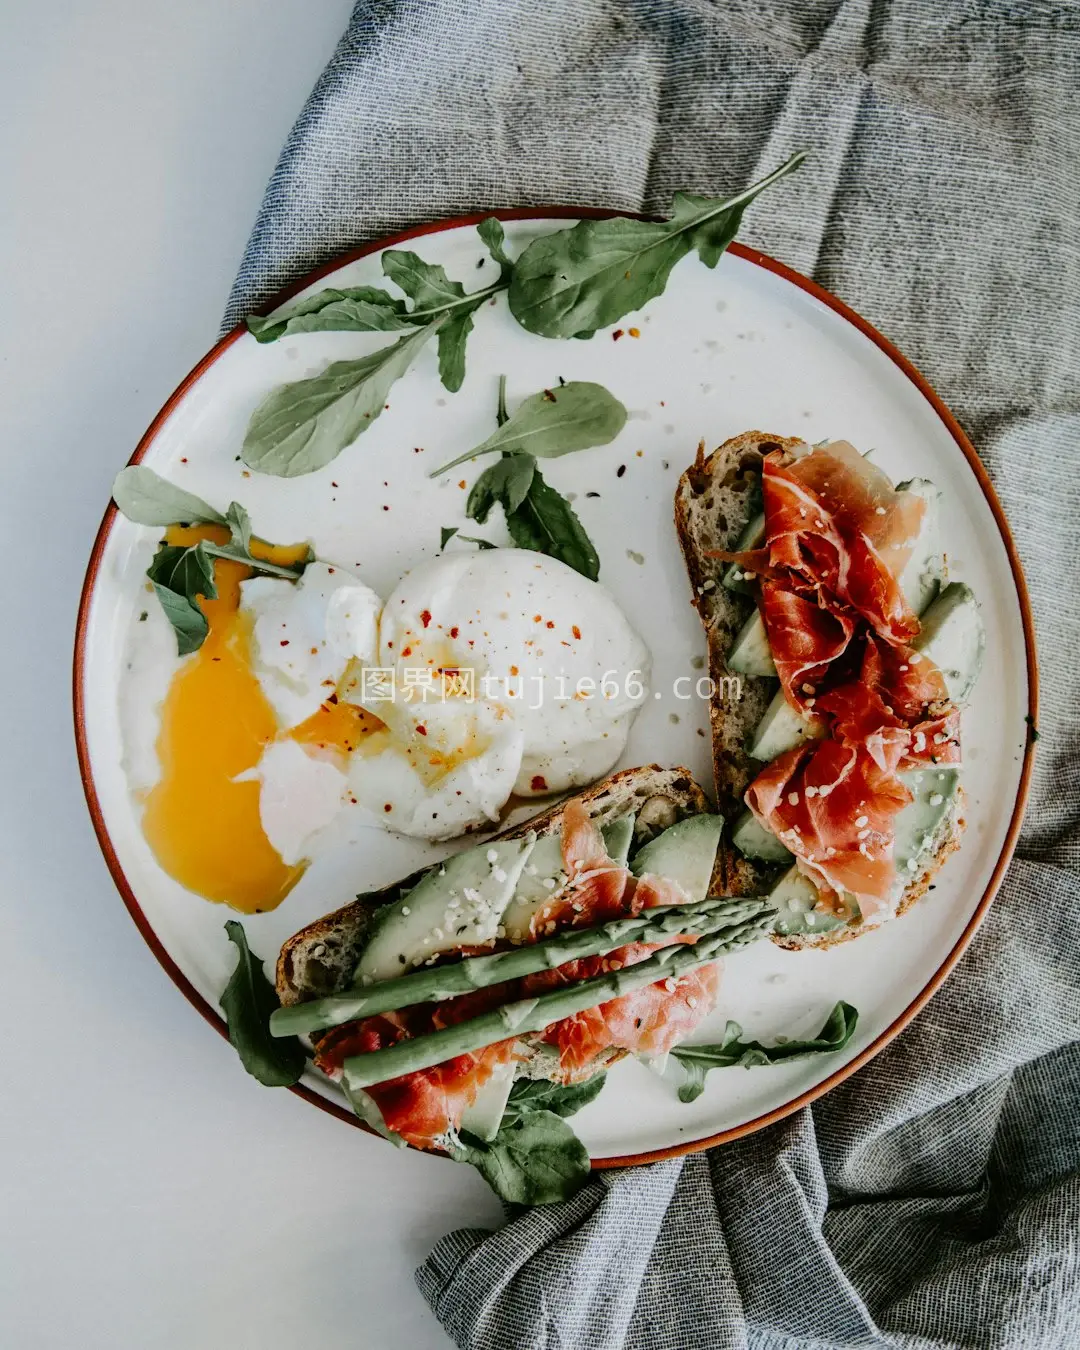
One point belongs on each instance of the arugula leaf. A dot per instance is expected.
(446, 534)
(574, 281)
(697, 1060)
(247, 1002)
(357, 309)
(239, 523)
(148, 499)
(575, 416)
(546, 523)
(433, 293)
(301, 427)
(179, 575)
(491, 232)
(506, 481)
(535, 1159)
(539, 1094)
(452, 340)
(471, 539)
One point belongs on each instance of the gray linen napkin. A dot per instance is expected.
(933, 1199)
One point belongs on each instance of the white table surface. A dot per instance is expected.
(153, 1197)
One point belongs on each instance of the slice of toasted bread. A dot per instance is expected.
(321, 958)
(713, 503)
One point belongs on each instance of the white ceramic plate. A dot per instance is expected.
(748, 345)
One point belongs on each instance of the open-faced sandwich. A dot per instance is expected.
(823, 588)
(544, 955)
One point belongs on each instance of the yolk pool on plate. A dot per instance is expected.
(202, 825)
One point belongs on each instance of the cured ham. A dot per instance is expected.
(835, 808)
(648, 1021)
(422, 1107)
(597, 889)
(838, 536)
(836, 523)
(805, 639)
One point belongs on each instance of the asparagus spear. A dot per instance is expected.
(478, 972)
(535, 1014)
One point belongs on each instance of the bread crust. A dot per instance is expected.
(712, 505)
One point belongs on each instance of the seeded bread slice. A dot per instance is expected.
(320, 959)
(713, 503)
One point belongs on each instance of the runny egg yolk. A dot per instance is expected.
(203, 825)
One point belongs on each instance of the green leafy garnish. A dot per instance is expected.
(148, 499)
(182, 574)
(507, 482)
(546, 523)
(697, 1060)
(536, 1158)
(358, 309)
(491, 232)
(436, 296)
(564, 1099)
(247, 1002)
(574, 281)
(448, 531)
(302, 426)
(555, 422)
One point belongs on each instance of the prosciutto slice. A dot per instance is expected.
(838, 536)
(835, 808)
(836, 523)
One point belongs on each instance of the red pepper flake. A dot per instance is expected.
(418, 449)
(333, 484)
(406, 651)
(330, 571)
(386, 508)
(539, 783)
(461, 484)
(332, 699)
(314, 651)
(576, 632)
(284, 642)
(639, 453)
(183, 459)
(244, 473)
(549, 624)
(634, 332)
(422, 730)
(387, 806)
(513, 670)
(454, 631)
(538, 618)
(549, 395)
(425, 617)
(616, 335)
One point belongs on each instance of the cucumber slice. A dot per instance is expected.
(924, 572)
(953, 637)
(781, 728)
(794, 898)
(618, 836)
(685, 853)
(458, 904)
(754, 840)
(750, 653)
(922, 825)
(753, 536)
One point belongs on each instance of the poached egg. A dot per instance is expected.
(483, 676)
